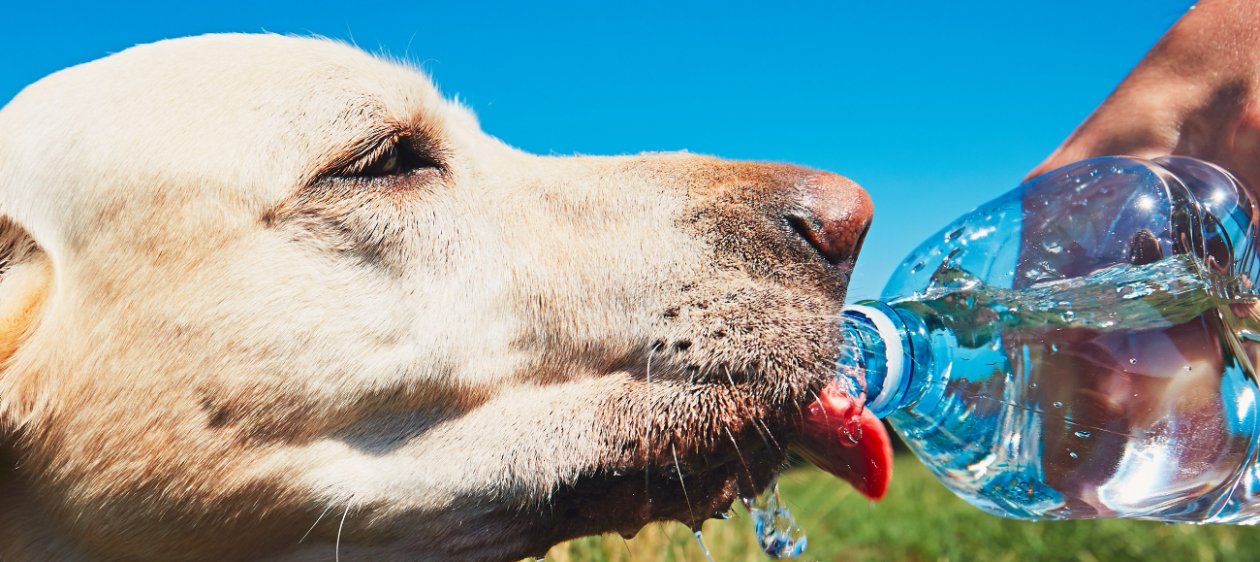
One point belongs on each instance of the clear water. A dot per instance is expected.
(776, 529)
(1126, 393)
(704, 549)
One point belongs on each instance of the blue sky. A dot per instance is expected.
(934, 107)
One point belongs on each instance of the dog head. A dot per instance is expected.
(267, 294)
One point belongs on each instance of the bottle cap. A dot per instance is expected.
(894, 356)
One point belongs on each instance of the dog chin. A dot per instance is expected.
(624, 501)
(716, 442)
(683, 481)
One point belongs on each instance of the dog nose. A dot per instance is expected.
(833, 215)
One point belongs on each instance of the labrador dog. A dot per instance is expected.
(267, 297)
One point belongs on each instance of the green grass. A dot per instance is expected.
(919, 521)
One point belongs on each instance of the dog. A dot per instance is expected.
(270, 297)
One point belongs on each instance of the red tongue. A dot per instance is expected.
(843, 438)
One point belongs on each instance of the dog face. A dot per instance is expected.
(266, 295)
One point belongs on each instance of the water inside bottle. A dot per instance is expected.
(1126, 393)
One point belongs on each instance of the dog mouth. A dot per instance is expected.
(737, 382)
(624, 501)
(692, 483)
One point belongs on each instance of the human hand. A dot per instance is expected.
(1196, 93)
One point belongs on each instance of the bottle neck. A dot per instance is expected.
(877, 355)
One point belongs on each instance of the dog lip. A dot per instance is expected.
(626, 500)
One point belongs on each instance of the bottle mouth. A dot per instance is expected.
(883, 353)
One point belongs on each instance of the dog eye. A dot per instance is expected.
(387, 164)
(397, 159)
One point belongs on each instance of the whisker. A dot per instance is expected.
(761, 433)
(740, 454)
(799, 411)
(826, 416)
(682, 482)
(317, 519)
(833, 367)
(647, 453)
(337, 552)
(769, 435)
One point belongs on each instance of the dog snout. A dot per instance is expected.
(833, 216)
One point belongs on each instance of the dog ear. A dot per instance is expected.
(25, 279)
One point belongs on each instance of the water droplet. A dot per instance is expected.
(1187, 368)
(1068, 315)
(1033, 386)
(951, 235)
(776, 529)
(1058, 404)
(853, 430)
(1052, 246)
(1073, 454)
(1054, 348)
(916, 267)
(703, 549)
(1133, 360)
(1083, 434)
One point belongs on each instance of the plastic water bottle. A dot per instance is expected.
(1081, 347)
